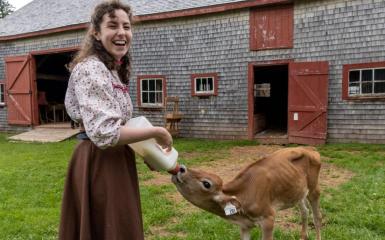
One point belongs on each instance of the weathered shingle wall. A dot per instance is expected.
(41, 15)
(344, 32)
(216, 43)
(181, 47)
(338, 31)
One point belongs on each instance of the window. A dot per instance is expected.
(364, 81)
(204, 84)
(271, 27)
(151, 91)
(2, 93)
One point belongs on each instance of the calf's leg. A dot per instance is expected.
(267, 226)
(314, 198)
(304, 215)
(245, 233)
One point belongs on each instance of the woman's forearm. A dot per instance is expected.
(131, 135)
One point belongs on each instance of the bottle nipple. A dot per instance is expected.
(175, 170)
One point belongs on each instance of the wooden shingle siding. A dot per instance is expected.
(181, 47)
(338, 31)
(344, 32)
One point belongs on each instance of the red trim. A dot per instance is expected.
(345, 80)
(209, 9)
(138, 93)
(33, 86)
(79, 26)
(272, 62)
(213, 75)
(157, 16)
(250, 90)
(250, 101)
(55, 50)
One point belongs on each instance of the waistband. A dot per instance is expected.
(82, 136)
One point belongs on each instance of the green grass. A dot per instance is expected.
(32, 177)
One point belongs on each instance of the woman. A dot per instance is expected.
(101, 195)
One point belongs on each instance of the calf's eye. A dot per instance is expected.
(206, 184)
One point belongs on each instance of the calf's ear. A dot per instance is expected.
(224, 200)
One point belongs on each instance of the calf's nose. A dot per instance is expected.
(179, 169)
(182, 169)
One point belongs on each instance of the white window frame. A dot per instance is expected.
(359, 83)
(2, 94)
(155, 91)
(204, 85)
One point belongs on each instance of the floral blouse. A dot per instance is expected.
(97, 98)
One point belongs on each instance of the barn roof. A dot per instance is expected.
(40, 15)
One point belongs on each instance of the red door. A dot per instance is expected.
(308, 99)
(20, 90)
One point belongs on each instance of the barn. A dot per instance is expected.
(295, 71)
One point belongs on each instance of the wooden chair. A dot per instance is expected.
(172, 116)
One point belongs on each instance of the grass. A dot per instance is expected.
(32, 177)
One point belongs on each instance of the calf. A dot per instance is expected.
(281, 180)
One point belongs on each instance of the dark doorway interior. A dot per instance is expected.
(52, 80)
(270, 99)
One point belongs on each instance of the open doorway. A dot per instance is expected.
(52, 80)
(270, 101)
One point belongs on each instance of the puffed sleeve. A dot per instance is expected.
(99, 110)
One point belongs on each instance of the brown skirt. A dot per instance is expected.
(101, 195)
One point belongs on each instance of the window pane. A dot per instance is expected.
(198, 84)
(144, 97)
(354, 88)
(151, 85)
(159, 85)
(1, 93)
(354, 76)
(379, 87)
(379, 74)
(145, 85)
(367, 75)
(151, 97)
(210, 84)
(159, 97)
(367, 87)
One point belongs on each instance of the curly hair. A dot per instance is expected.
(90, 46)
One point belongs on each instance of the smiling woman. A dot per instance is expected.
(115, 33)
(98, 99)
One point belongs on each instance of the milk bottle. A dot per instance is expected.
(149, 150)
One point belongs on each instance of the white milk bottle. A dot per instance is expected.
(149, 150)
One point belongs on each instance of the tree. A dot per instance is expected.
(5, 8)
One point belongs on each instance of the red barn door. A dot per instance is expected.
(19, 90)
(308, 99)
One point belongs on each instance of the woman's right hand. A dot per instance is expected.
(163, 138)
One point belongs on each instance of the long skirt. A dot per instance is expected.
(101, 195)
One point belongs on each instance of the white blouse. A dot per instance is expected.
(98, 99)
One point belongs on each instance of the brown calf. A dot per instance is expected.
(281, 180)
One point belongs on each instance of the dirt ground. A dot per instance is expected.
(239, 157)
